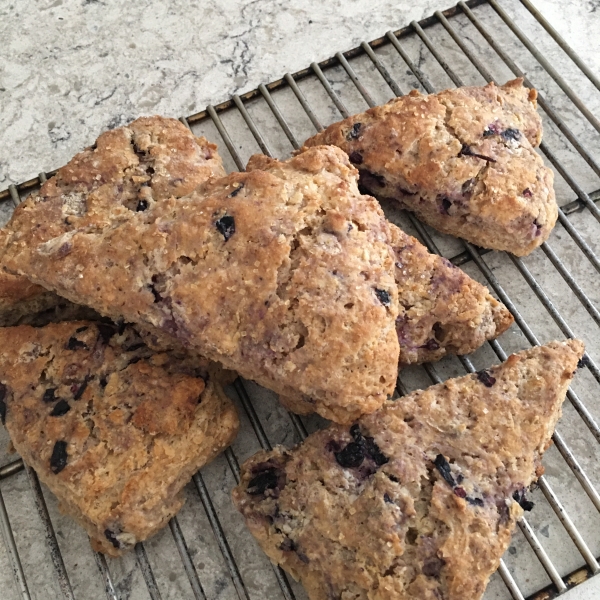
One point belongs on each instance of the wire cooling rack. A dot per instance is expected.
(206, 553)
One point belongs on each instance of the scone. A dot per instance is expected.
(462, 160)
(150, 159)
(441, 311)
(112, 428)
(282, 273)
(419, 499)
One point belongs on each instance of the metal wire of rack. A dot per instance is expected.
(217, 558)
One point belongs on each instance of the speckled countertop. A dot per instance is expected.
(71, 69)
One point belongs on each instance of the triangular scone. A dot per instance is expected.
(419, 499)
(441, 310)
(151, 159)
(462, 160)
(285, 276)
(112, 428)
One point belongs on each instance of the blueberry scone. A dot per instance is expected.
(282, 273)
(419, 499)
(463, 160)
(112, 428)
(441, 311)
(150, 159)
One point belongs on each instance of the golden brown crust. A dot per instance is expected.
(113, 429)
(419, 499)
(128, 169)
(462, 160)
(148, 160)
(441, 311)
(283, 274)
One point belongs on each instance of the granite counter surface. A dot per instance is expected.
(71, 69)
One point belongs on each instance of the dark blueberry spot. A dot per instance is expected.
(142, 205)
(58, 460)
(486, 378)
(60, 408)
(49, 395)
(287, 545)
(369, 447)
(112, 538)
(433, 567)
(354, 132)
(356, 158)
(383, 296)
(583, 362)
(2, 403)
(538, 228)
(149, 170)
(372, 449)
(393, 478)
(106, 331)
(133, 347)
(74, 344)
(431, 344)
(226, 226)
(466, 151)
(525, 504)
(474, 501)
(446, 204)
(234, 194)
(443, 467)
(460, 492)
(387, 499)
(511, 134)
(527, 193)
(459, 479)
(267, 480)
(351, 456)
(134, 360)
(103, 382)
(80, 390)
(80, 329)
(302, 557)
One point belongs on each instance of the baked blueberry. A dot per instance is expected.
(58, 460)
(60, 408)
(486, 378)
(226, 226)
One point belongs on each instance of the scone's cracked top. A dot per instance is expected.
(114, 429)
(417, 500)
(282, 273)
(462, 160)
(150, 159)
